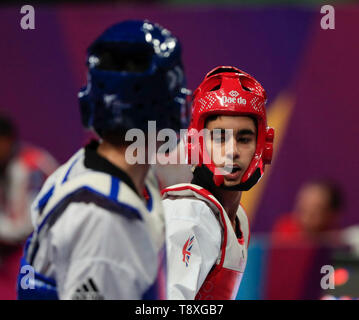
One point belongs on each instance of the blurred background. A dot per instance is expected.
(304, 212)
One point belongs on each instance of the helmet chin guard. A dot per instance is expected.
(230, 91)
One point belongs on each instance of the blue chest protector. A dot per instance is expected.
(32, 285)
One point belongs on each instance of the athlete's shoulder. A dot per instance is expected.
(195, 192)
(189, 209)
(184, 193)
(185, 215)
(73, 182)
(56, 175)
(181, 188)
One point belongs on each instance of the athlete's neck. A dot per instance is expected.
(230, 201)
(116, 155)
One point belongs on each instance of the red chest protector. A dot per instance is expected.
(223, 281)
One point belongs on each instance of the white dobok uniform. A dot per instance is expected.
(94, 238)
(205, 258)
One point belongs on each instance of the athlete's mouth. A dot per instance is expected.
(232, 169)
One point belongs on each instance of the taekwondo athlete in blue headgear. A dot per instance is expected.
(98, 221)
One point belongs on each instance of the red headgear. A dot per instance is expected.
(230, 91)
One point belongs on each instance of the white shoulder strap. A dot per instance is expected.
(192, 190)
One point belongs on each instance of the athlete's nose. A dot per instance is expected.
(235, 149)
(232, 153)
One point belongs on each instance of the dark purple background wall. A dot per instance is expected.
(284, 48)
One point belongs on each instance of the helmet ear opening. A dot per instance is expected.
(217, 87)
(245, 88)
(247, 84)
(101, 85)
(268, 149)
(212, 85)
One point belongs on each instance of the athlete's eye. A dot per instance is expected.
(218, 136)
(245, 140)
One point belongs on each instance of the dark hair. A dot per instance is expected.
(7, 127)
(336, 201)
(215, 116)
(116, 136)
(211, 118)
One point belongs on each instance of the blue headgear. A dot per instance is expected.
(135, 75)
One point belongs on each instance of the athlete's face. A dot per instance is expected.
(313, 208)
(232, 146)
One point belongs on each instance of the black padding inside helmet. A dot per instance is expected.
(130, 57)
(203, 177)
(221, 70)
